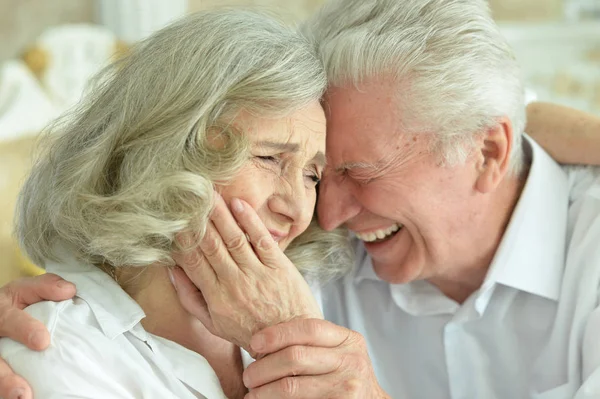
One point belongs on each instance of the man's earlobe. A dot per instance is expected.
(496, 148)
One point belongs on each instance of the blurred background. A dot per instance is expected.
(49, 49)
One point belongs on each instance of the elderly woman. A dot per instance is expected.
(219, 108)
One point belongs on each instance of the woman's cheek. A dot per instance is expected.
(252, 185)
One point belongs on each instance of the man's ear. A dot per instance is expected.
(496, 148)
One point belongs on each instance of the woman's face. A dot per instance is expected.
(287, 160)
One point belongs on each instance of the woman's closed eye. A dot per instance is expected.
(268, 158)
(313, 177)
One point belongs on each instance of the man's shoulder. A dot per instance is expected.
(584, 202)
(584, 182)
(583, 226)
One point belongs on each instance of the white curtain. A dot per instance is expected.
(133, 20)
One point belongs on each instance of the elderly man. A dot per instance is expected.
(478, 263)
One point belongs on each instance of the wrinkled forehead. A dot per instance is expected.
(365, 119)
(304, 128)
(366, 129)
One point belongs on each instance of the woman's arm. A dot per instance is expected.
(569, 135)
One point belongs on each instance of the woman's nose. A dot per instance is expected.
(291, 198)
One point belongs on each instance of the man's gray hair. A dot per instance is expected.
(455, 72)
(133, 165)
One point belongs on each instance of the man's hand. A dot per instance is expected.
(20, 326)
(240, 281)
(311, 358)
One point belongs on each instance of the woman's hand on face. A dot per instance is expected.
(244, 281)
(20, 326)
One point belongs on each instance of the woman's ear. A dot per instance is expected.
(496, 149)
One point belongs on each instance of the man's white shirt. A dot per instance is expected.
(99, 349)
(531, 331)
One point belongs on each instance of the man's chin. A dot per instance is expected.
(393, 272)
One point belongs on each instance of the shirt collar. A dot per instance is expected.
(189, 367)
(530, 256)
(115, 311)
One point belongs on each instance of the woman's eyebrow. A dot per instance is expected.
(288, 147)
(318, 159)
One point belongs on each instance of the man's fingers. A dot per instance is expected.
(311, 332)
(289, 362)
(11, 385)
(305, 387)
(47, 287)
(18, 325)
(14, 297)
(190, 297)
(261, 239)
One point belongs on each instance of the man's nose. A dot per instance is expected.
(336, 203)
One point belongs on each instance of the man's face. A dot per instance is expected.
(386, 186)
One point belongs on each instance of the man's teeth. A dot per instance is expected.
(379, 234)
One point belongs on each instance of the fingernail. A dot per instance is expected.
(258, 343)
(37, 339)
(172, 278)
(17, 393)
(64, 284)
(237, 205)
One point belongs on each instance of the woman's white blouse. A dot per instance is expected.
(99, 349)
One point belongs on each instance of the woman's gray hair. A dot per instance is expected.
(133, 165)
(455, 72)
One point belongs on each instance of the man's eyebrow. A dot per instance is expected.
(318, 159)
(354, 165)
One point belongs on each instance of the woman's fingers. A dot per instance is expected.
(191, 297)
(233, 236)
(264, 245)
(193, 262)
(217, 255)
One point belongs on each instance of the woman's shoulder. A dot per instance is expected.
(68, 321)
(81, 357)
(72, 330)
